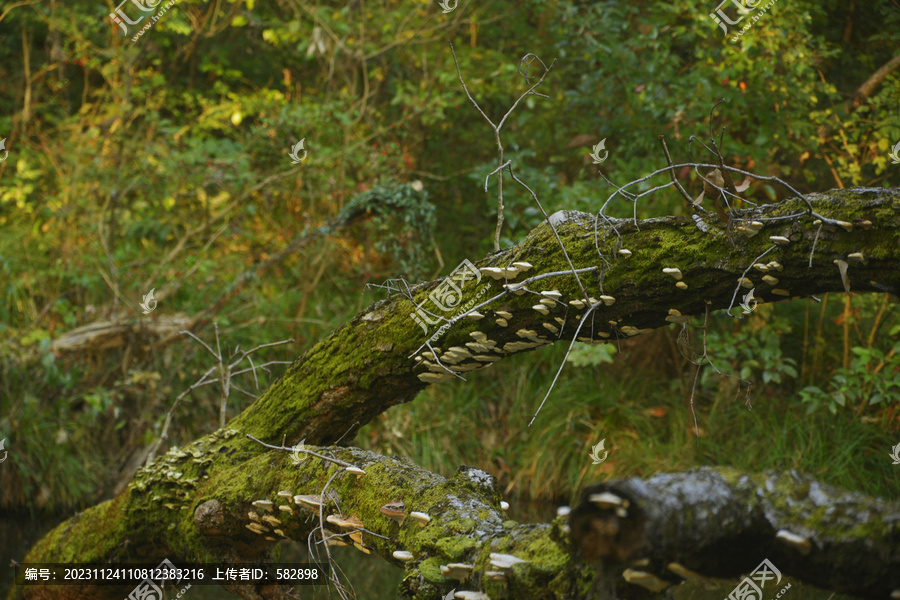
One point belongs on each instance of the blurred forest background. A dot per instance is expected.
(163, 163)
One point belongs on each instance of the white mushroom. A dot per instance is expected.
(548, 302)
(266, 505)
(800, 543)
(504, 562)
(503, 313)
(780, 240)
(681, 285)
(745, 282)
(421, 518)
(286, 508)
(355, 470)
(488, 358)
(522, 266)
(551, 328)
(775, 266)
(608, 500)
(770, 280)
(510, 272)
(674, 272)
(629, 330)
(433, 377)
(494, 272)
(475, 315)
(501, 322)
(402, 555)
(761, 267)
(554, 294)
(504, 505)
(563, 511)
(858, 257)
(577, 304)
(541, 309)
(847, 226)
(495, 575)
(608, 300)
(467, 595)
(625, 253)
(460, 571)
(478, 336)
(271, 520)
(285, 494)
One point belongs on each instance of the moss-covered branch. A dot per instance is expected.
(367, 366)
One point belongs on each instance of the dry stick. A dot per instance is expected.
(496, 128)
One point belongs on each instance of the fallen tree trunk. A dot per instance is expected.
(367, 366)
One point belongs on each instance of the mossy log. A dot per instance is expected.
(368, 365)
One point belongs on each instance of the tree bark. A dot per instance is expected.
(367, 366)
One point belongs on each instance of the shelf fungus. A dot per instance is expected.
(552, 294)
(253, 516)
(770, 280)
(848, 227)
(548, 302)
(541, 309)
(798, 542)
(781, 292)
(745, 282)
(468, 595)
(780, 240)
(684, 572)
(266, 505)
(286, 508)
(355, 470)
(629, 330)
(515, 289)
(496, 576)
(608, 500)
(309, 501)
(577, 304)
(674, 272)
(675, 316)
(645, 580)
(273, 521)
(335, 541)
(256, 528)
(761, 267)
(502, 313)
(395, 510)
(550, 327)
(625, 253)
(681, 285)
(475, 315)
(488, 358)
(433, 377)
(285, 494)
(504, 562)
(608, 300)
(522, 266)
(510, 272)
(280, 532)
(421, 518)
(495, 272)
(345, 522)
(775, 266)
(502, 322)
(403, 555)
(460, 571)
(858, 258)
